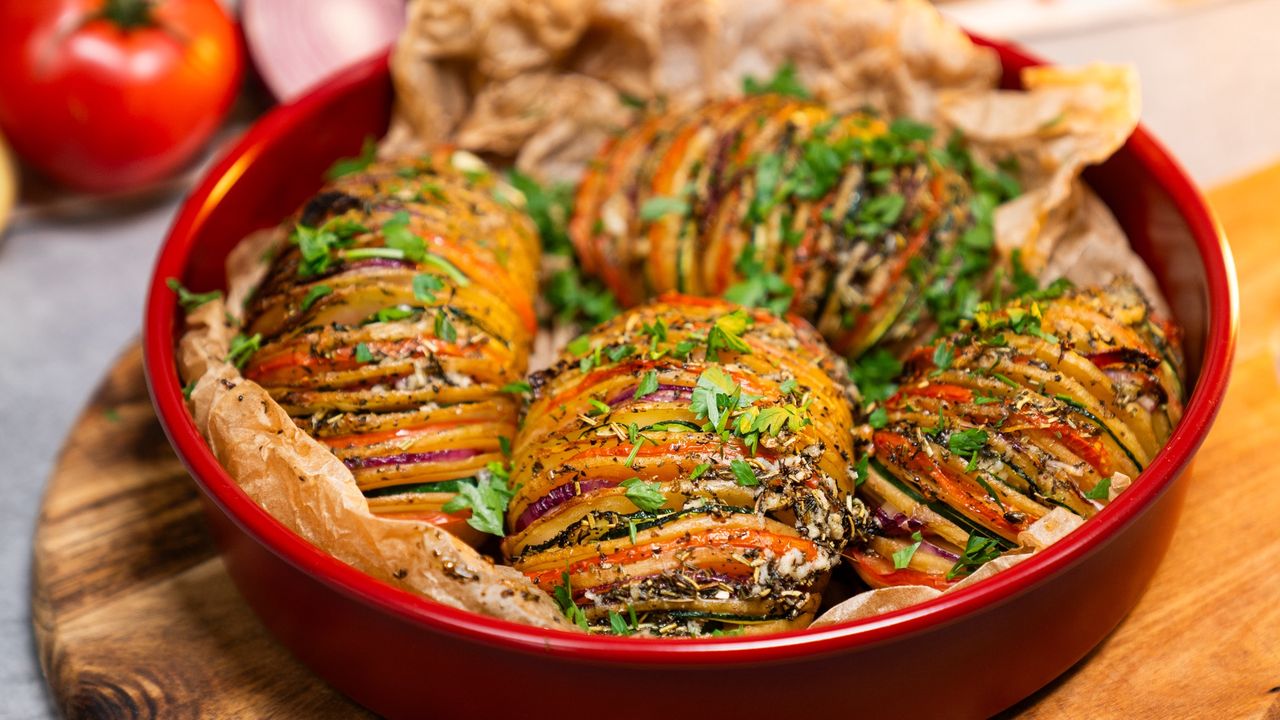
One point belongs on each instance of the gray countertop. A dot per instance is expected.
(73, 291)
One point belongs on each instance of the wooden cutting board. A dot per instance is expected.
(135, 617)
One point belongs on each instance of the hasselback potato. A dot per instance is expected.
(389, 325)
(1042, 403)
(683, 469)
(857, 224)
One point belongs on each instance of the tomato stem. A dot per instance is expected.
(128, 14)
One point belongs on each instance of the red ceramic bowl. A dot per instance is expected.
(968, 654)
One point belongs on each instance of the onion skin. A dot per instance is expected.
(1062, 404)
(397, 363)
(652, 515)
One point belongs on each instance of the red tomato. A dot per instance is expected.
(115, 94)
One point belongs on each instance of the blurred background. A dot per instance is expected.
(88, 192)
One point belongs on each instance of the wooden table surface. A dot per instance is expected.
(135, 617)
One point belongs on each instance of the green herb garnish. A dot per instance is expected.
(189, 300)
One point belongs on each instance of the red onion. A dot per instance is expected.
(556, 497)
(664, 393)
(297, 43)
(358, 463)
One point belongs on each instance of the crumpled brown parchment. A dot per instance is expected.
(305, 487)
(544, 82)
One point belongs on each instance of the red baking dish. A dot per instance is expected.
(968, 654)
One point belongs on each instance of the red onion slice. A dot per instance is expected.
(359, 463)
(297, 43)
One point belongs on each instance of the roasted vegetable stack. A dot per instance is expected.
(389, 325)
(1043, 403)
(857, 224)
(685, 469)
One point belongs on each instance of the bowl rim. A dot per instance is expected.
(166, 392)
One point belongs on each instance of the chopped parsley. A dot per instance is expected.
(726, 333)
(519, 387)
(579, 345)
(444, 328)
(242, 348)
(189, 300)
(318, 245)
(563, 595)
(902, 557)
(351, 165)
(759, 287)
(487, 499)
(978, 551)
(315, 293)
(425, 287)
(875, 373)
(784, 82)
(744, 473)
(644, 495)
(967, 442)
(943, 356)
(648, 384)
(571, 295)
(660, 206)
(1101, 491)
(715, 395)
(397, 235)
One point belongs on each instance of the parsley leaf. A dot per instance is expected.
(618, 625)
(977, 551)
(726, 332)
(902, 557)
(644, 495)
(878, 418)
(519, 387)
(444, 328)
(699, 470)
(783, 82)
(397, 236)
(648, 384)
(715, 394)
(189, 300)
(563, 595)
(744, 473)
(874, 374)
(967, 442)
(943, 356)
(242, 348)
(362, 353)
(488, 500)
(348, 166)
(425, 287)
(1101, 491)
(315, 293)
(759, 287)
(660, 206)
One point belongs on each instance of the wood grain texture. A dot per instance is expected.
(135, 616)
